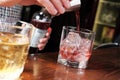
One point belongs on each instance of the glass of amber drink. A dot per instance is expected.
(75, 47)
(14, 42)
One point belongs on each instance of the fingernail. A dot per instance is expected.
(62, 10)
(68, 4)
(54, 12)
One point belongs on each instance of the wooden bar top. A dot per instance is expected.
(104, 64)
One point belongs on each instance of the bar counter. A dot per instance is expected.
(104, 64)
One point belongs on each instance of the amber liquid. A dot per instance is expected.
(13, 53)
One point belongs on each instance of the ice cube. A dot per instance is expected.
(73, 39)
(86, 44)
(20, 39)
(6, 48)
(5, 37)
(70, 45)
(75, 48)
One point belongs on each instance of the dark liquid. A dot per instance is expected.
(40, 25)
(78, 20)
(33, 50)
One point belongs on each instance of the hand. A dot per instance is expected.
(9, 2)
(53, 6)
(44, 40)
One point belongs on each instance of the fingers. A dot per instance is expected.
(48, 5)
(59, 7)
(55, 6)
(44, 40)
(43, 43)
(49, 31)
(66, 3)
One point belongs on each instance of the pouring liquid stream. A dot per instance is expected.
(78, 20)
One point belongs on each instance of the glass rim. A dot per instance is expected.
(82, 30)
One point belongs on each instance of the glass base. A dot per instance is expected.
(11, 75)
(73, 64)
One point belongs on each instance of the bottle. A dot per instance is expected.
(41, 21)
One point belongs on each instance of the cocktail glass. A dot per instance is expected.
(75, 47)
(14, 42)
